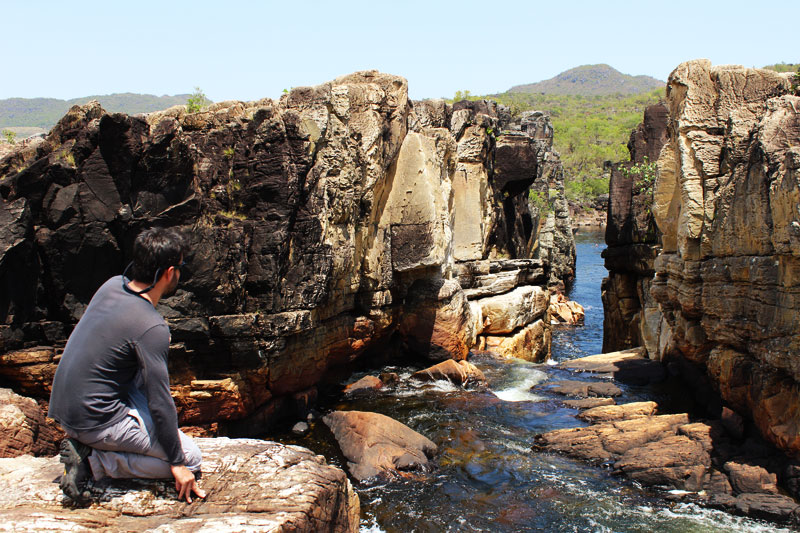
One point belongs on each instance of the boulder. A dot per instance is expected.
(772, 507)
(751, 478)
(364, 385)
(460, 373)
(250, 484)
(565, 311)
(674, 461)
(25, 430)
(375, 444)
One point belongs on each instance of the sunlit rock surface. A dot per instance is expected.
(251, 486)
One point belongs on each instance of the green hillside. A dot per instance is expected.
(45, 112)
(591, 80)
(588, 130)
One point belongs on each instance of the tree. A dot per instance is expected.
(11, 137)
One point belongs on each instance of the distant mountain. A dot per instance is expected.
(45, 112)
(591, 80)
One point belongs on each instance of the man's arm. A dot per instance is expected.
(151, 349)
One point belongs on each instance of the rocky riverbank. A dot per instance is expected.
(713, 462)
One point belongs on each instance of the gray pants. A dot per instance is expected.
(129, 448)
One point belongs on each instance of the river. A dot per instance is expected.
(487, 478)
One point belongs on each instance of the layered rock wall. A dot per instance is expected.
(726, 201)
(323, 226)
(631, 316)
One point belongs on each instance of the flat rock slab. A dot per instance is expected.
(588, 403)
(252, 485)
(584, 389)
(606, 413)
(627, 366)
(375, 444)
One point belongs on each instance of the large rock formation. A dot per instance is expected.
(339, 218)
(631, 316)
(726, 201)
(251, 485)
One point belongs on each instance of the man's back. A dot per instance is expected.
(103, 356)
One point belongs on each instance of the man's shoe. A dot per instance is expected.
(77, 471)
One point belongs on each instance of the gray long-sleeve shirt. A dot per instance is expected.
(119, 335)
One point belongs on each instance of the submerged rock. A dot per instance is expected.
(250, 484)
(460, 373)
(375, 444)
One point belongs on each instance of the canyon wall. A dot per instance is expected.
(339, 222)
(631, 316)
(727, 280)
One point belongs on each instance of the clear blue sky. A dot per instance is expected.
(247, 50)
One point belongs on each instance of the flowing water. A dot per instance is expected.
(486, 477)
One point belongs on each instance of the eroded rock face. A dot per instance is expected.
(25, 429)
(322, 225)
(726, 202)
(631, 316)
(375, 444)
(250, 485)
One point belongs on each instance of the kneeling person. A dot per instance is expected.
(111, 389)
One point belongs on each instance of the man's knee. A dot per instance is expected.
(192, 454)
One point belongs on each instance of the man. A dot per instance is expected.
(111, 389)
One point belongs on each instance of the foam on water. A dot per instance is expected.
(518, 389)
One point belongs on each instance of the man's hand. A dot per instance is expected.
(185, 483)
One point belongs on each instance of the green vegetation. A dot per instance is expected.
(197, 101)
(11, 137)
(43, 113)
(227, 153)
(783, 67)
(540, 201)
(588, 131)
(644, 178)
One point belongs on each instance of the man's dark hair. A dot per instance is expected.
(157, 249)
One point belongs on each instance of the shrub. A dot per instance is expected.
(197, 101)
(11, 137)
